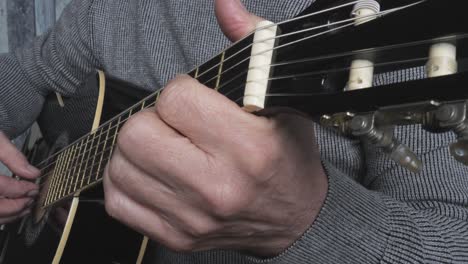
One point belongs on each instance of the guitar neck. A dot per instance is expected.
(308, 72)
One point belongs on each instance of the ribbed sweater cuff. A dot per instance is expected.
(351, 219)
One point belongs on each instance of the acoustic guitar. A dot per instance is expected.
(329, 62)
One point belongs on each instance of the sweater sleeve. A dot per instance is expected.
(392, 215)
(57, 61)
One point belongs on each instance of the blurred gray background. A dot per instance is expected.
(20, 22)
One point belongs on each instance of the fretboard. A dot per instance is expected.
(81, 165)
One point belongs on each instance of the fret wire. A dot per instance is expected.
(106, 131)
(70, 172)
(88, 157)
(197, 70)
(77, 141)
(98, 179)
(104, 147)
(103, 151)
(53, 181)
(383, 13)
(220, 70)
(58, 175)
(115, 136)
(66, 163)
(61, 174)
(73, 172)
(94, 156)
(67, 173)
(51, 185)
(83, 159)
(56, 178)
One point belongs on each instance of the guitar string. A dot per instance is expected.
(95, 147)
(380, 14)
(306, 74)
(275, 25)
(197, 77)
(321, 73)
(344, 54)
(51, 164)
(354, 19)
(101, 132)
(78, 140)
(83, 154)
(98, 177)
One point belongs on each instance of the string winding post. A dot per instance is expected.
(442, 60)
(361, 74)
(364, 11)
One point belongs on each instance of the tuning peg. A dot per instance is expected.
(402, 155)
(459, 150)
(364, 127)
(453, 117)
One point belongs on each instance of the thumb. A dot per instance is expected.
(234, 19)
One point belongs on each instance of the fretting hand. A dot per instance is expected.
(15, 196)
(199, 173)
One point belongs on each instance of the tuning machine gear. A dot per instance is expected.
(364, 127)
(452, 117)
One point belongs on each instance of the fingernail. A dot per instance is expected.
(32, 169)
(33, 193)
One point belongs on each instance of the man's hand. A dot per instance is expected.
(198, 173)
(15, 196)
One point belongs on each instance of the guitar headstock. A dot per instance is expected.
(363, 67)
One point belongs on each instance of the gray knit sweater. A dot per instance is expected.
(375, 211)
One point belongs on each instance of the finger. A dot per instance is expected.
(13, 207)
(141, 219)
(12, 188)
(148, 142)
(155, 195)
(6, 220)
(138, 184)
(15, 160)
(203, 115)
(234, 19)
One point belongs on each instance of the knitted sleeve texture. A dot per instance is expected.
(57, 61)
(388, 215)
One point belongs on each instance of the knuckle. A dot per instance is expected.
(174, 97)
(264, 157)
(202, 229)
(182, 246)
(134, 130)
(228, 200)
(115, 171)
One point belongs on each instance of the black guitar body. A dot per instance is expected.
(94, 237)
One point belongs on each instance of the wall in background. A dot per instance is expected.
(22, 20)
